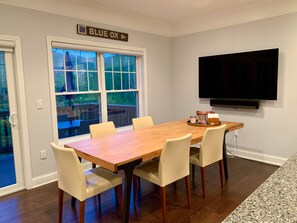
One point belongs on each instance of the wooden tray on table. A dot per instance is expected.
(202, 125)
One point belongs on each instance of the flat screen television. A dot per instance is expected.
(247, 75)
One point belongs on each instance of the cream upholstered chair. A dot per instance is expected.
(172, 166)
(210, 151)
(79, 184)
(142, 122)
(100, 130)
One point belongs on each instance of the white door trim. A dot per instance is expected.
(22, 108)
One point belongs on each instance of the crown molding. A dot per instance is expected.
(117, 18)
(96, 14)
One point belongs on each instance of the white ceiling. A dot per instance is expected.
(164, 17)
(173, 11)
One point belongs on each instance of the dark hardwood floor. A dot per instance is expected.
(41, 204)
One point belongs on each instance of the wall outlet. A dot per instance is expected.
(42, 154)
(236, 133)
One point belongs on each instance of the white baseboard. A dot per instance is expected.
(260, 157)
(44, 179)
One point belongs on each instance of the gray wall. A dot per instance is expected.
(33, 27)
(269, 133)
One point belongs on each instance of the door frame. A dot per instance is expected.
(15, 42)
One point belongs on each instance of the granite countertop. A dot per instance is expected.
(274, 201)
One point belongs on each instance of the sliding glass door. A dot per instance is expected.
(11, 176)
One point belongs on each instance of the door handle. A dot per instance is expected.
(12, 119)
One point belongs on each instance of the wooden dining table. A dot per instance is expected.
(127, 149)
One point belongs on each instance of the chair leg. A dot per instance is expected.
(99, 200)
(139, 183)
(135, 181)
(93, 165)
(81, 211)
(116, 197)
(120, 196)
(193, 175)
(73, 201)
(221, 165)
(61, 193)
(188, 189)
(202, 170)
(163, 200)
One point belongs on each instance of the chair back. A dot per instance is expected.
(102, 129)
(211, 149)
(71, 178)
(142, 122)
(174, 159)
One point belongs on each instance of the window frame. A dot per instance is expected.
(99, 48)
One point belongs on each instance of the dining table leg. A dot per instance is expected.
(225, 161)
(128, 169)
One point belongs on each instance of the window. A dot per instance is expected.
(120, 85)
(93, 86)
